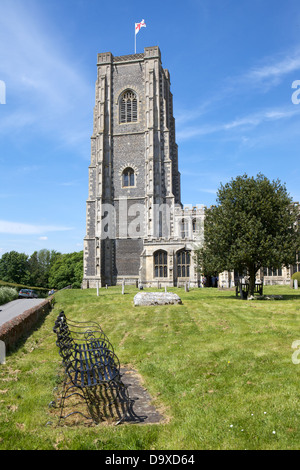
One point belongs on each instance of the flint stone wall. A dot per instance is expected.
(13, 330)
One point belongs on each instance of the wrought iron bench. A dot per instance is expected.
(92, 370)
(242, 289)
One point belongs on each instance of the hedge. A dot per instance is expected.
(296, 276)
(7, 294)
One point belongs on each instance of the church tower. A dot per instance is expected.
(134, 182)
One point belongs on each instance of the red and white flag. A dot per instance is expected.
(140, 25)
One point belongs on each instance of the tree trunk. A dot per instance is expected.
(252, 275)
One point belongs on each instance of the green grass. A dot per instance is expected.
(219, 368)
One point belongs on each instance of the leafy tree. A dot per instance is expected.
(39, 265)
(67, 270)
(253, 225)
(14, 267)
(33, 266)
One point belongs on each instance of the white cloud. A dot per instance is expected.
(264, 77)
(260, 78)
(249, 121)
(275, 68)
(46, 88)
(18, 228)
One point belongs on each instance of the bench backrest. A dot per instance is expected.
(72, 334)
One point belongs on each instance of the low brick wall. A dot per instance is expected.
(13, 330)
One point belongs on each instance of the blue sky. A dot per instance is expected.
(232, 66)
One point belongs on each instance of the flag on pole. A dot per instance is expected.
(140, 25)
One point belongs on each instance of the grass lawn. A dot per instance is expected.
(220, 370)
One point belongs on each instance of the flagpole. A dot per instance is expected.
(137, 28)
(134, 40)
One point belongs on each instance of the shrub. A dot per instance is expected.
(296, 276)
(7, 294)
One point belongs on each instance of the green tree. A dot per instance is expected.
(67, 270)
(14, 267)
(39, 265)
(253, 225)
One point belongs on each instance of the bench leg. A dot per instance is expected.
(104, 401)
(70, 390)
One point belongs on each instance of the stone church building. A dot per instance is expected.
(137, 229)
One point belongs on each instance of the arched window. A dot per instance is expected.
(183, 263)
(128, 107)
(184, 228)
(161, 264)
(128, 178)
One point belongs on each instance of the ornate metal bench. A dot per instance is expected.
(92, 370)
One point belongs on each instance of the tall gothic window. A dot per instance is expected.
(128, 107)
(183, 263)
(184, 228)
(128, 178)
(160, 264)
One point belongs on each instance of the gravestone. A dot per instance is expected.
(156, 298)
(2, 352)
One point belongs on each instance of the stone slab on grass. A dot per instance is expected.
(143, 411)
(156, 298)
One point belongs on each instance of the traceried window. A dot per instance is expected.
(183, 263)
(161, 264)
(195, 226)
(128, 107)
(184, 228)
(128, 178)
(272, 272)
